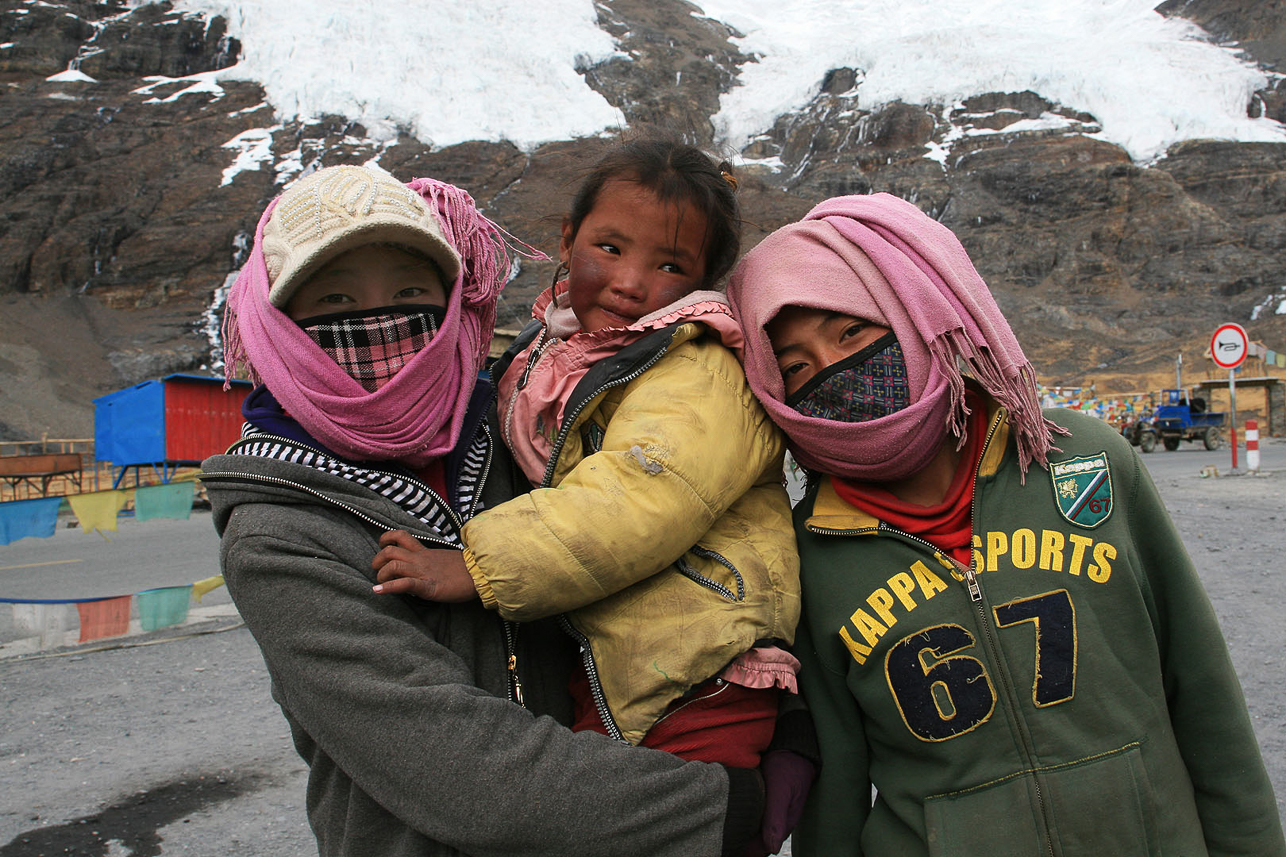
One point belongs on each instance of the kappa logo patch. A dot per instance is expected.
(1083, 488)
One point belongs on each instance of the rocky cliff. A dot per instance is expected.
(117, 228)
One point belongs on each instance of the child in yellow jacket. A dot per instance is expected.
(659, 527)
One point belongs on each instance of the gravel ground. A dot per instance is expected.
(168, 743)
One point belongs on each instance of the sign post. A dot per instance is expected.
(1228, 348)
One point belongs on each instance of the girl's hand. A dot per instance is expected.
(406, 567)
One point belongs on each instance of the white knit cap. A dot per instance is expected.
(339, 208)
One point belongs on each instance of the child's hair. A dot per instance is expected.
(675, 172)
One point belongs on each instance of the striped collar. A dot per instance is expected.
(403, 490)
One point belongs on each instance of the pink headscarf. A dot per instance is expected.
(415, 417)
(880, 258)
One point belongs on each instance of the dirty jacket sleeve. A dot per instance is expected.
(686, 441)
(383, 701)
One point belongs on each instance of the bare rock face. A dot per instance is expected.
(676, 63)
(44, 38)
(120, 220)
(1257, 26)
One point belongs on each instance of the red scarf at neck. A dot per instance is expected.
(948, 525)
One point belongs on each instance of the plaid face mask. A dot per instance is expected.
(864, 386)
(372, 345)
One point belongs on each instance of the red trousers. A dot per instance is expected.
(716, 721)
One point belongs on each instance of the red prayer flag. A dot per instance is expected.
(106, 618)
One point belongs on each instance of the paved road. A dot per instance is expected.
(171, 744)
(161, 743)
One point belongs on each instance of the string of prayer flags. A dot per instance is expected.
(172, 500)
(98, 510)
(22, 518)
(50, 620)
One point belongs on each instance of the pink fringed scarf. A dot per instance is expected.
(880, 258)
(415, 417)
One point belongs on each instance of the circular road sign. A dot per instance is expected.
(1229, 345)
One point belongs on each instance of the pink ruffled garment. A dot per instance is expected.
(559, 357)
(416, 416)
(763, 667)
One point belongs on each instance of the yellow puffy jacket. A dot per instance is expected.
(666, 537)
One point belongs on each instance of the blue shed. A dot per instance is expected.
(177, 420)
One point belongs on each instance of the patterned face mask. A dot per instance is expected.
(372, 345)
(867, 385)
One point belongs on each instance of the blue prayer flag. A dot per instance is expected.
(22, 518)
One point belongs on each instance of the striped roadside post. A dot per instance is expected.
(1252, 445)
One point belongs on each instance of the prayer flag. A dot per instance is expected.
(173, 500)
(98, 510)
(164, 606)
(107, 617)
(46, 621)
(202, 587)
(22, 518)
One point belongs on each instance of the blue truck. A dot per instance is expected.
(1179, 416)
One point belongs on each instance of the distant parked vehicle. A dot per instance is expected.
(1140, 432)
(1180, 416)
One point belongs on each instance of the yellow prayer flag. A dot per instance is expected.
(201, 587)
(98, 511)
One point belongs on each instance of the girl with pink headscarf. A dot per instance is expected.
(1001, 631)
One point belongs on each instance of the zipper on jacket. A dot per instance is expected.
(538, 348)
(975, 595)
(697, 577)
(1003, 677)
(482, 477)
(587, 654)
(537, 351)
(595, 683)
(511, 662)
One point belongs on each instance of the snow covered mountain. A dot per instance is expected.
(1117, 171)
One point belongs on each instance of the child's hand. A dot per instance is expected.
(407, 567)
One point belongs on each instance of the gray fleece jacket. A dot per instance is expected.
(400, 707)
